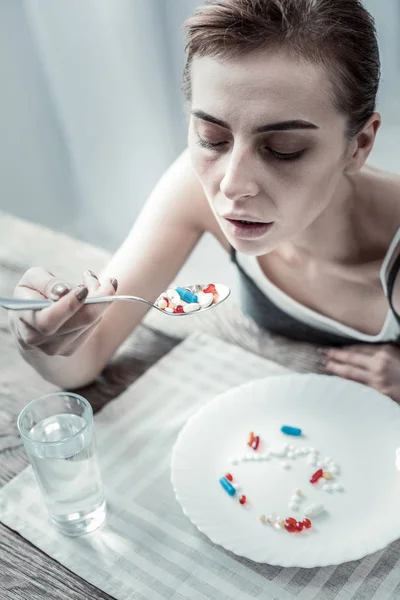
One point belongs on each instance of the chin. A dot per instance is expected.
(252, 248)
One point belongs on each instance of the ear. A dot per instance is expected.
(362, 144)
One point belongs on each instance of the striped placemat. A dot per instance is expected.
(149, 550)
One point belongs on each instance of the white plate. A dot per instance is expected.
(352, 424)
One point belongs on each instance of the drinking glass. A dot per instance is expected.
(57, 433)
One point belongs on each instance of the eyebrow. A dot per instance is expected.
(279, 126)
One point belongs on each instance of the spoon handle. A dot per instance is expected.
(21, 304)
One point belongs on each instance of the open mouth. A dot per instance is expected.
(248, 229)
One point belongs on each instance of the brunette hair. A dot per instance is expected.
(340, 34)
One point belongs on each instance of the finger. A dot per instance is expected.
(49, 320)
(91, 281)
(366, 349)
(41, 283)
(346, 356)
(348, 372)
(90, 313)
(68, 310)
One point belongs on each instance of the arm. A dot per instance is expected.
(170, 225)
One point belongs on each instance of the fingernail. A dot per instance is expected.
(59, 289)
(82, 292)
(114, 283)
(89, 272)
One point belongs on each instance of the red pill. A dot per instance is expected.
(178, 309)
(251, 438)
(166, 300)
(317, 475)
(229, 477)
(299, 526)
(290, 528)
(307, 523)
(210, 289)
(255, 443)
(290, 521)
(242, 499)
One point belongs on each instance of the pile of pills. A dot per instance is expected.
(187, 300)
(327, 470)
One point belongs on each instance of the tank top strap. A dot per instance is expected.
(391, 271)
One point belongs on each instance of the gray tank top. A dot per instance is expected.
(269, 316)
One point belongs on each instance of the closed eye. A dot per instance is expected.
(285, 156)
(209, 145)
(278, 155)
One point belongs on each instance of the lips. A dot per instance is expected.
(247, 230)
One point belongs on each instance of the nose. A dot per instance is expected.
(239, 180)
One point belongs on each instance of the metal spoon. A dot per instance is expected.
(20, 304)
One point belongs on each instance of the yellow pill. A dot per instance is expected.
(281, 523)
(263, 518)
(327, 475)
(298, 492)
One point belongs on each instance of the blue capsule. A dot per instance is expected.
(186, 296)
(228, 487)
(290, 430)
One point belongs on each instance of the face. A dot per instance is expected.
(267, 145)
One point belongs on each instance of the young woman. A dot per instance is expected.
(282, 99)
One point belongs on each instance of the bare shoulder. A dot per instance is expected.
(384, 191)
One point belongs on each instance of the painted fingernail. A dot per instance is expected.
(114, 283)
(59, 289)
(82, 292)
(89, 272)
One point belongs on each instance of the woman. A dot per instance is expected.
(282, 98)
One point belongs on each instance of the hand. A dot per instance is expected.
(63, 327)
(375, 365)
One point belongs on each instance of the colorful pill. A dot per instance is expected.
(186, 296)
(255, 443)
(307, 523)
(229, 477)
(228, 487)
(290, 430)
(178, 310)
(317, 476)
(251, 438)
(242, 499)
(299, 526)
(210, 289)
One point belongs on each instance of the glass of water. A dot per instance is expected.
(57, 432)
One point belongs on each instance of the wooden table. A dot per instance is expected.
(26, 572)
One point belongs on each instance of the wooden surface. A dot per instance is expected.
(25, 571)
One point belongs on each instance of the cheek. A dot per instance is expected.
(310, 193)
(205, 169)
